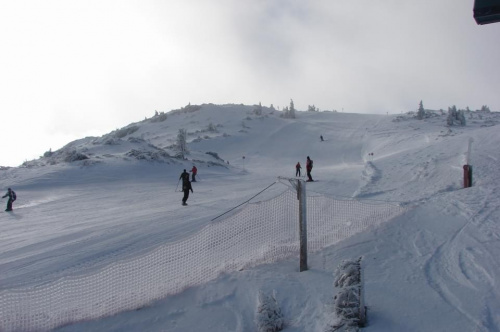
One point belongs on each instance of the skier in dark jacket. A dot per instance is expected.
(309, 167)
(12, 197)
(297, 169)
(184, 176)
(186, 187)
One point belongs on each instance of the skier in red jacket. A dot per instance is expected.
(194, 171)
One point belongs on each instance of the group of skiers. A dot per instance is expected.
(187, 187)
(309, 167)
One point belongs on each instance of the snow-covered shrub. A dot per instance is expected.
(111, 141)
(48, 154)
(485, 108)
(135, 140)
(158, 155)
(258, 109)
(74, 156)
(159, 117)
(215, 155)
(312, 108)
(120, 133)
(211, 128)
(269, 317)
(348, 303)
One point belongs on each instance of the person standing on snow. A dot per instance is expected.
(309, 167)
(12, 197)
(186, 187)
(184, 176)
(194, 171)
(297, 169)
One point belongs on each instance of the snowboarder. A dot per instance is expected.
(194, 171)
(297, 169)
(12, 197)
(309, 167)
(186, 187)
(184, 176)
(321, 137)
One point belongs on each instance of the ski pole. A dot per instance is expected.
(177, 185)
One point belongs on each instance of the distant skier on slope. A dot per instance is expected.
(194, 171)
(186, 187)
(321, 137)
(12, 197)
(297, 169)
(309, 167)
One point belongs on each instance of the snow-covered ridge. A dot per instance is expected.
(75, 217)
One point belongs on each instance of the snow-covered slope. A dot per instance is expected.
(104, 199)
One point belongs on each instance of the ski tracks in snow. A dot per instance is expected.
(465, 265)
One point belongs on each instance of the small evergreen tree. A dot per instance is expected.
(452, 115)
(421, 111)
(485, 108)
(258, 109)
(461, 117)
(292, 110)
(182, 143)
(269, 317)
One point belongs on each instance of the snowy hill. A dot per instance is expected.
(101, 200)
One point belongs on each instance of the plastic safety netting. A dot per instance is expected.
(261, 232)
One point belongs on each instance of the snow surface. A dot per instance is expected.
(434, 268)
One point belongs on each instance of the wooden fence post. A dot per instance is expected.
(301, 193)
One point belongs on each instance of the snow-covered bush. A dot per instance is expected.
(158, 155)
(215, 155)
(48, 154)
(211, 128)
(74, 155)
(258, 109)
(455, 117)
(120, 133)
(269, 317)
(159, 117)
(312, 108)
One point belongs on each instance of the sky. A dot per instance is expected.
(67, 64)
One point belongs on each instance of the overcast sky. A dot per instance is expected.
(70, 69)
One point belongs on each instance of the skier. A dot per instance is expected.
(309, 167)
(321, 137)
(297, 169)
(186, 187)
(12, 197)
(184, 176)
(194, 170)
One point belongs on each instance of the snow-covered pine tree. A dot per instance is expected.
(258, 109)
(348, 304)
(292, 110)
(452, 115)
(461, 117)
(268, 316)
(182, 143)
(421, 111)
